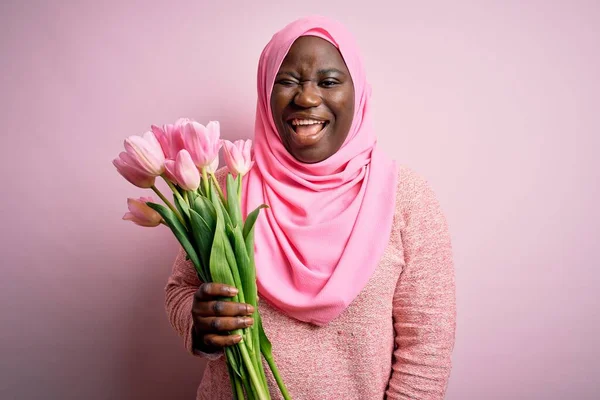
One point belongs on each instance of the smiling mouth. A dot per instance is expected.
(307, 131)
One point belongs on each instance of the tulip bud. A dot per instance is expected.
(129, 169)
(140, 213)
(202, 142)
(238, 156)
(170, 138)
(186, 172)
(213, 166)
(146, 152)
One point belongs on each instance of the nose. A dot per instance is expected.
(307, 96)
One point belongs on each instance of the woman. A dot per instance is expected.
(354, 264)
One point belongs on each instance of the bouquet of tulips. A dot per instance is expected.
(208, 223)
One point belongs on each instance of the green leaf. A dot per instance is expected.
(179, 231)
(251, 219)
(249, 242)
(237, 391)
(233, 359)
(233, 203)
(267, 350)
(215, 199)
(219, 266)
(181, 205)
(192, 196)
(256, 341)
(247, 246)
(245, 268)
(206, 209)
(265, 344)
(203, 237)
(233, 264)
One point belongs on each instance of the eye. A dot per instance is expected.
(285, 82)
(327, 83)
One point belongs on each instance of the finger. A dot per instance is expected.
(221, 308)
(215, 340)
(208, 291)
(223, 324)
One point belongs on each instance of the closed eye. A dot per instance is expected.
(329, 83)
(285, 82)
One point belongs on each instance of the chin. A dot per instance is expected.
(309, 155)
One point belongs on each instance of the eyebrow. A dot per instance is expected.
(326, 71)
(292, 74)
(330, 71)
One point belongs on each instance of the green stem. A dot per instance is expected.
(168, 203)
(239, 391)
(176, 192)
(261, 390)
(214, 179)
(171, 186)
(234, 379)
(240, 192)
(259, 366)
(205, 182)
(275, 372)
(250, 392)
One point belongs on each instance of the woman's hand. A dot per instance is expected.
(213, 318)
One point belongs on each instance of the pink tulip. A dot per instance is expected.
(238, 156)
(170, 138)
(170, 171)
(140, 213)
(131, 171)
(202, 142)
(182, 121)
(213, 166)
(186, 172)
(146, 152)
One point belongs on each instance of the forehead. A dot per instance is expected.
(310, 52)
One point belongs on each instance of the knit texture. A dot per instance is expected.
(394, 341)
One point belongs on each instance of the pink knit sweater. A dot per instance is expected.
(395, 339)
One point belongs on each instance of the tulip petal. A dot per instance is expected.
(213, 131)
(182, 121)
(238, 156)
(177, 143)
(213, 166)
(170, 171)
(141, 214)
(202, 142)
(134, 175)
(162, 136)
(146, 152)
(186, 172)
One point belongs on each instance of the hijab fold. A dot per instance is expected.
(328, 223)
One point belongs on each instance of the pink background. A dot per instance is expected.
(496, 103)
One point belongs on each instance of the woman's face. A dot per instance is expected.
(312, 101)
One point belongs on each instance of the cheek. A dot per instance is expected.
(278, 103)
(344, 110)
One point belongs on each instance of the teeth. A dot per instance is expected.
(296, 122)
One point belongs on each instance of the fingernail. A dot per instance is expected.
(249, 309)
(233, 291)
(248, 321)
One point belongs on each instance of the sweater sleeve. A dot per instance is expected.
(424, 303)
(179, 295)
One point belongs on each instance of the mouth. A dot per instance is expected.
(306, 132)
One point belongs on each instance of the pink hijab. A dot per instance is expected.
(328, 223)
